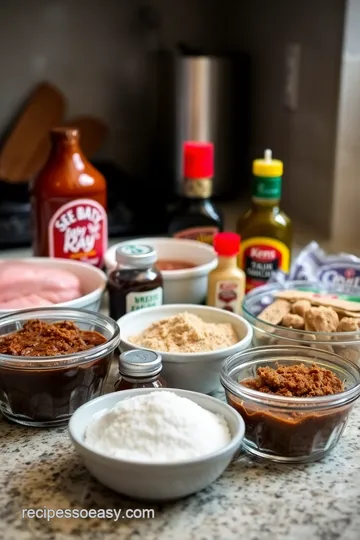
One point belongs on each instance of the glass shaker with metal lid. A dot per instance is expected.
(140, 369)
(135, 283)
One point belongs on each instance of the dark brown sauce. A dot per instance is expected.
(51, 392)
(170, 264)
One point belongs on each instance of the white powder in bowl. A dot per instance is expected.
(157, 427)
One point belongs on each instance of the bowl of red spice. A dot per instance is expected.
(52, 361)
(295, 400)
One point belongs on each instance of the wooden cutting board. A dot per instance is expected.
(44, 109)
(93, 133)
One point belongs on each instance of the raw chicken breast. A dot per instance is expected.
(29, 285)
(32, 300)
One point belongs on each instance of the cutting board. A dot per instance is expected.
(44, 109)
(93, 133)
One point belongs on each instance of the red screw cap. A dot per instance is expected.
(227, 244)
(198, 160)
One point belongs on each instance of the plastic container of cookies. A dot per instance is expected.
(345, 343)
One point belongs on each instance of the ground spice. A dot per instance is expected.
(39, 338)
(296, 381)
(186, 333)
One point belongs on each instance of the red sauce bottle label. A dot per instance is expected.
(78, 231)
(201, 234)
(261, 256)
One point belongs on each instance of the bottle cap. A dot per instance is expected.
(198, 160)
(227, 244)
(139, 363)
(136, 255)
(268, 167)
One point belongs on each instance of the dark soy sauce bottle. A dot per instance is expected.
(196, 217)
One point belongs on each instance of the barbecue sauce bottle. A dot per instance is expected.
(266, 231)
(68, 202)
(196, 217)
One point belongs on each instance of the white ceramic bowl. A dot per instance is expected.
(155, 481)
(191, 371)
(180, 286)
(93, 281)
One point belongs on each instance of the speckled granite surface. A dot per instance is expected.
(253, 500)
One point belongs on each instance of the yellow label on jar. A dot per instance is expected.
(259, 257)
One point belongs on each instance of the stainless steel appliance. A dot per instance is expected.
(204, 112)
(203, 97)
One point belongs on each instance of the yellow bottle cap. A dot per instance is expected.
(268, 166)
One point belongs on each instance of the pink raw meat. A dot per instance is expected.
(32, 300)
(27, 285)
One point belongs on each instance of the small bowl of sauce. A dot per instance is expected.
(173, 264)
(52, 361)
(184, 265)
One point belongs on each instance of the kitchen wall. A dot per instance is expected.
(346, 207)
(100, 55)
(305, 137)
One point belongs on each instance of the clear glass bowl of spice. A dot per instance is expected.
(295, 401)
(52, 360)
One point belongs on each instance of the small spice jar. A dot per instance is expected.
(136, 283)
(139, 369)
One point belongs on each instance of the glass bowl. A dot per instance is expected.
(289, 429)
(346, 344)
(44, 391)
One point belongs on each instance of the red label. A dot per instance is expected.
(78, 231)
(259, 263)
(201, 234)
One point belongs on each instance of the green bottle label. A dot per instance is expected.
(265, 187)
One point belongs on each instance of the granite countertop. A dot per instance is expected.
(254, 500)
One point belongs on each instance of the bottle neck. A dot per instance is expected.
(65, 141)
(65, 147)
(266, 191)
(226, 262)
(198, 188)
(265, 204)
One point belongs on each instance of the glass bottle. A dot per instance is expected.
(195, 216)
(265, 230)
(136, 283)
(68, 200)
(139, 369)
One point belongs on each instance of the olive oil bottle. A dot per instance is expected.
(266, 231)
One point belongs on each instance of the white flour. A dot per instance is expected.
(157, 427)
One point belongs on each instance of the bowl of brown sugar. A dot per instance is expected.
(295, 400)
(192, 340)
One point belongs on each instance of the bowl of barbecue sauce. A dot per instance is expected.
(52, 361)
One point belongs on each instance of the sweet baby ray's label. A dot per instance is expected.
(78, 231)
(259, 257)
